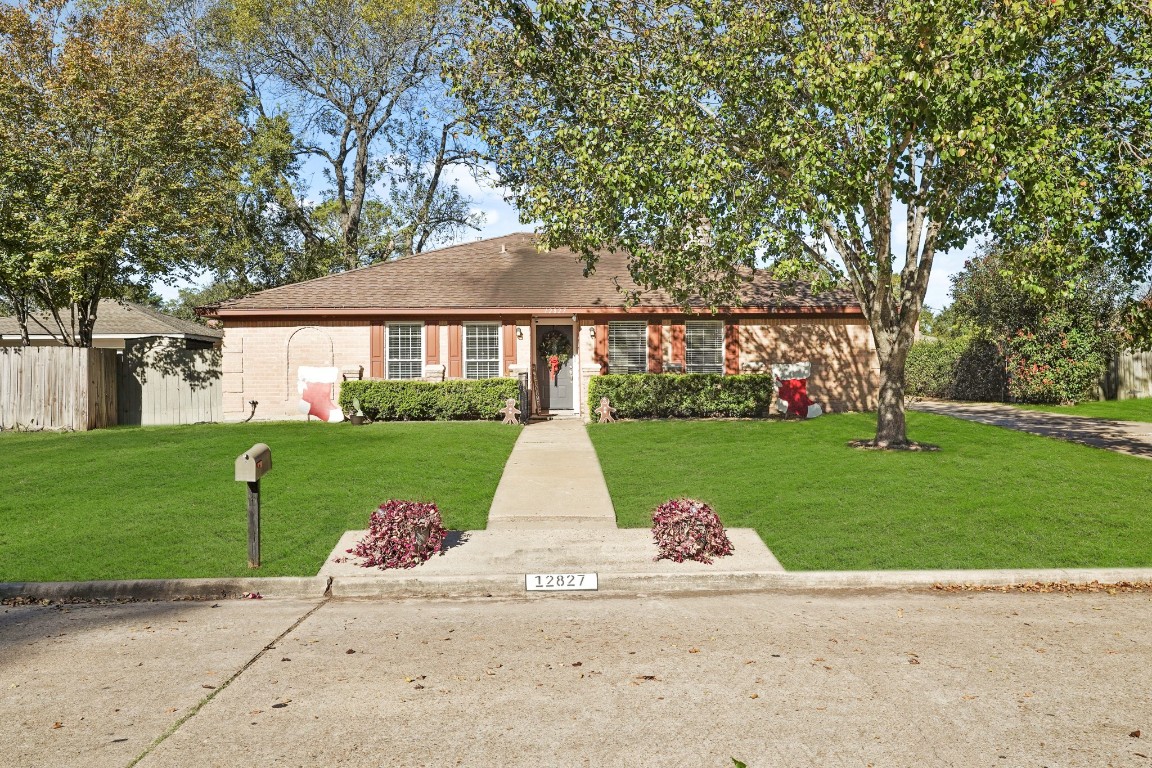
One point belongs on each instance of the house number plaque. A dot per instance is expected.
(559, 582)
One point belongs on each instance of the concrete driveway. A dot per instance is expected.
(890, 678)
(1131, 437)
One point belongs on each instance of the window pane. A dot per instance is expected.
(627, 347)
(405, 350)
(481, 351)
(704, 347)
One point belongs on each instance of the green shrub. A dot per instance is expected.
(688, 395)
(965, 368)
(1056, 364)
(429, 400)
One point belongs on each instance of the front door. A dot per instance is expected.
(555, 385)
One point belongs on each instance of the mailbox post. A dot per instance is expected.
(250, 467)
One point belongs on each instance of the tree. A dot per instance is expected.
(359, 83)
(706, 134)
(126, 145)
(1056, 342)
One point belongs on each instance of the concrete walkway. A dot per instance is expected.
(552, 480)
(1131, 437)
(552, 514)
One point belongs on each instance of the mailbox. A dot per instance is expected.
(254, 463)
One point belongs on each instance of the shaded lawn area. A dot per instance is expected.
(161, 502)
(991, 498)
(1139, 409)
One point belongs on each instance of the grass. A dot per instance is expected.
(161, 502)
(991, 498)
(1139, 409)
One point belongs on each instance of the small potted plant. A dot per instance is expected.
(357, 417)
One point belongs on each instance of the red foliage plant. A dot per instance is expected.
(686, 529)
(401, 534)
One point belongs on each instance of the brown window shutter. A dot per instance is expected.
(455, 351)
(431, 344)
(376, 356)
(509, 348)
(600, 354)
(732, 348)
(655, 349)
(678, 354)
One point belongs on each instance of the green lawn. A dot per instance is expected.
(1139, 409)
(158, 502)
(991, 498)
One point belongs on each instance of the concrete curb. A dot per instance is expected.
(392, 586)
(167, 589)
(623, 584)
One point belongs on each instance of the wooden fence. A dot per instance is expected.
(163, 384)
(1129, 376)
(57, 388)
(153, 381)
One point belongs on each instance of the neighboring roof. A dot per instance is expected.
(119, 320)
(500, 273)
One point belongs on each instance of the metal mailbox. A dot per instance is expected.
(253, 463)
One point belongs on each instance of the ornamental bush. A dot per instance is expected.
(686, 529)
(686, 395)
(1056, 364)
(429, 400)
(401, 534)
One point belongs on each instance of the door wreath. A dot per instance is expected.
(557, 348)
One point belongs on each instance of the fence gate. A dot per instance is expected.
(162, 383)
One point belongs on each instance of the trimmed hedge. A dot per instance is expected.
(684, 395)
(429, 400)
(966, 368)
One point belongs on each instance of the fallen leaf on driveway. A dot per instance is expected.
(1135, 734)
(57, 724)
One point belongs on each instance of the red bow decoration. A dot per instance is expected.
(554, 366)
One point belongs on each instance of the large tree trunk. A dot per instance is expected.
(891, 431)
(892, 347)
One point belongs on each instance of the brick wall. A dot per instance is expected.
(262, 358)
(845, 371)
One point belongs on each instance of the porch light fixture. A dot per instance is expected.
(573, 317)
(592, 331)
(519, 332)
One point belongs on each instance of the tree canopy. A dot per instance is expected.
(859, 139)
(116, 150)
(353, 87)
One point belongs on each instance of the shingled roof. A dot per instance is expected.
(120, 320)
(499, 274)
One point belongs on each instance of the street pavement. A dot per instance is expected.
(820, 678)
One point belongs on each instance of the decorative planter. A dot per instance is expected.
(358, 419)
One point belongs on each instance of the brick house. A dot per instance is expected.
(485, 308)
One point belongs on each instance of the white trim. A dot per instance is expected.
(499, 347)
(420, 359)
(714, 324)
